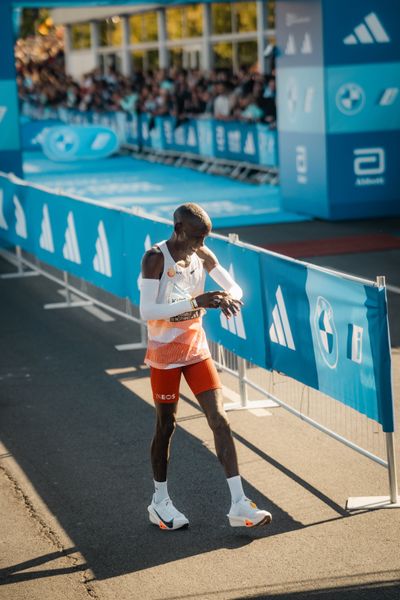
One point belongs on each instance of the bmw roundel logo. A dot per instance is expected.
(325, 331)
(62, 141)
(350, 99)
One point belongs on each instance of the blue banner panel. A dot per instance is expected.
(363, 98)
(330, 333)
(243, 334)
(303, 173)
(267, 146)
(9, 121)
(299, 32)
(139, 234)
(205, 134)
(301, 93)
(78, 237)
(369, 174)
(287, 333)
(347, 321)
(361, 32)
(78, 142)
(236, 141)
(33, 132)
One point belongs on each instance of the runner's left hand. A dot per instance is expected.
(230, 307)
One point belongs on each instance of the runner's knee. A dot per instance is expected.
(166, 425)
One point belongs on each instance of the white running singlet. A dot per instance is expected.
(181, 340)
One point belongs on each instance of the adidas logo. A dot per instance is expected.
(235, 324)
(280, 332)
(101, 261)
(46, 236)
(305, 48)
(3, 222)
(71, 248)
(370, 31)
(3, 110)
(20, 224)
(147, 246)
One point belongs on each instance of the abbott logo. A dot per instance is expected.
(280, 332)
(369, 31)
(369, 166)
(301, 164)
(235, 324)
(101, 261)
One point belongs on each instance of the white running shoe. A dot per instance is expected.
(245, 513)
(165, 515)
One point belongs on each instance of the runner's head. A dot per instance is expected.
(192, 225)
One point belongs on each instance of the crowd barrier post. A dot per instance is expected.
(21, 272)
(142, 345)
(70, 301)
(392, 501)
(241, 374)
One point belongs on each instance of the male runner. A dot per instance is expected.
(173, 302)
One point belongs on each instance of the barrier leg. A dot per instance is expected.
(243, 401)
(20, 268)
(142, 345)
(371, 502)
(72, 300)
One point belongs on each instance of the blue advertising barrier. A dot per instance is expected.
(33, 132)
(338, 98)
(79, 142)
(253, 143)
(326, 331)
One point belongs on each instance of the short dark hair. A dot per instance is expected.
(191, 212)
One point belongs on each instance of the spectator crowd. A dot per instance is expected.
(245, 95)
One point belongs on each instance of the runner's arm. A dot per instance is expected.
(152, 268)
(219, 274)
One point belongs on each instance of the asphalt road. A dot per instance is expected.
(76, 423)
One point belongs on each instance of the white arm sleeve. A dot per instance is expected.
(222, 277)
(149, 309)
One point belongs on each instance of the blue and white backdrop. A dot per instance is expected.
(318, 327)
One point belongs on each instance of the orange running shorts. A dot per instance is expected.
(201, 377)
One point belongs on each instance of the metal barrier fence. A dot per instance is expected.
(243, 378)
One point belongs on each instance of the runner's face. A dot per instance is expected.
(194, 236)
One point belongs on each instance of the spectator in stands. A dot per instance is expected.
(222, 102)
(42, 81)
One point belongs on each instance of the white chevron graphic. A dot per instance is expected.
(388, 96)
(46, 236)
(290, 49)
(373, 34)
(101, 261)
(306, 47)
(3, 222)
(280, 332)
(235, 324)
(249, 147)
(147, 246)
(20, 225)
(71, 248)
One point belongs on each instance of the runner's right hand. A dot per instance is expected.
(211, 299)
